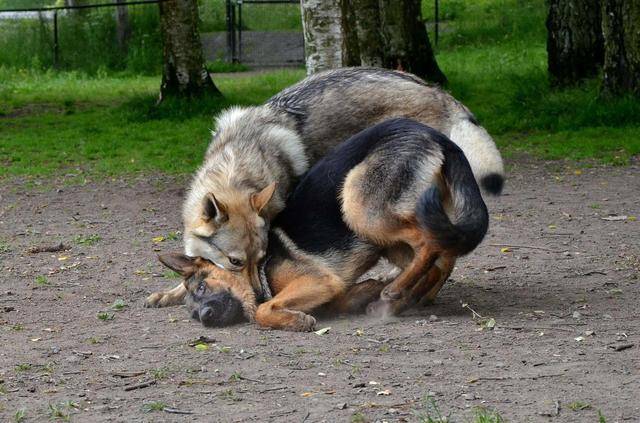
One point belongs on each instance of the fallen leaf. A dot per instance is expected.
(615, 218)
(63, 258)
(157, 239)
(201, 347)
(577, 172)
(490, 324)
(322, 331)
(385, 392)
(306, 394)
(579, 338)
(505, 249)
(632, 218)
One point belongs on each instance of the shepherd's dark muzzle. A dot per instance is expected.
(214, 310)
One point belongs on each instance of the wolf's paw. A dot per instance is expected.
(301, 322)
(161, 299)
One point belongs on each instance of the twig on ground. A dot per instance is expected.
(249, 379)
(144, 384)
(536, 327)
(491, 269)
(176, 411)
(125, 375)
(48, 249)
(532, 247)
(621, 347)
(276, 388)
(476, 379)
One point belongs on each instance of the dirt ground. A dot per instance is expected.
(77, 342)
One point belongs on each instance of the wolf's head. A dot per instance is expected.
(227, 228)
(215, 297)
(234, 195)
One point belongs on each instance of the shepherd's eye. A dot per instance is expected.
(201, 287)
(236, 261)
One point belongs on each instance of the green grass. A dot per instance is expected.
(87, 240)
(154, 406)
(41, 280)
(105, 316)
(68, 123)
(20, 415)
(4, 247)
(492, 51)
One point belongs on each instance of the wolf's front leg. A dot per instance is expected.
(167, 298)
(288, 309)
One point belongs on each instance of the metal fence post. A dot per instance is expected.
(56, 49)
(239, 31)
(437, 21)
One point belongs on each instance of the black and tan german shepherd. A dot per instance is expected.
(399, 190)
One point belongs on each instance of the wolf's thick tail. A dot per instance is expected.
(468, 210)
(481, 151)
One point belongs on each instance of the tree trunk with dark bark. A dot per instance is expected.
(367, 26)
(123, 28)
(621, 28)
(350, 47)
(183, 70)
(574, 40)
(407, 45)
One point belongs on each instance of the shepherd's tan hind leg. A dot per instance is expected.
(443, 268)
(167, 298)
(423, 259)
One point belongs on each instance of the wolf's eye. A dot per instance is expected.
(236, 261)
(201, 287)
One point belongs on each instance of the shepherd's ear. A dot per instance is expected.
(260, 199)
(180, 263)
(212, 210)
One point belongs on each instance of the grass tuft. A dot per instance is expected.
(154, 406)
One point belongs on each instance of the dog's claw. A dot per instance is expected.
(389, 295)
(304, 323)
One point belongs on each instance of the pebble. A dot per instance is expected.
(73, 359)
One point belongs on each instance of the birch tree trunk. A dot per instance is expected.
(323, 37)
(621, 28)
(574, 40)
(183, 71)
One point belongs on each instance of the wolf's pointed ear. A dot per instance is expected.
(212, 210)
(180, 263)
(260, 199)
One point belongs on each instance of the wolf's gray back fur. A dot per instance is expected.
(331, 106)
